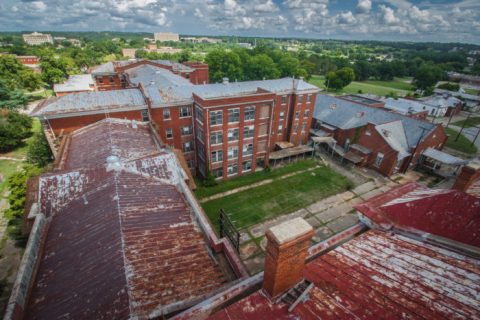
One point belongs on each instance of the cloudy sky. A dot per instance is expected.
(415, 20)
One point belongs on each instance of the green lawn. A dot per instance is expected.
(203, 192)
(382, 88)
(463, 144)
(255, 205)
(472, 91)
(7, 168)
(472, 122)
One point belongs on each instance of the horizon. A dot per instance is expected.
(446, 21)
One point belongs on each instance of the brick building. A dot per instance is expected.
(37, 38)
(75, 84)
(385, 141)
(227, 128)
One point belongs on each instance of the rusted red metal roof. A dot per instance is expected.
(451, 214)
(122, 241)
(378, 276)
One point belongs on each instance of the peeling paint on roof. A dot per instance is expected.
(450, 214)
(378, 276)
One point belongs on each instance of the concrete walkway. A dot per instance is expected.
(327, 216)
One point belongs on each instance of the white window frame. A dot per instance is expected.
(231, 135)
(188, 132)
(247, 113)
(217, 115)
(216, 134)
(190, 143)
(232, 153)
(379, 159)
(280, 129)
(169, 133)
(248, 129)
(250, 166)
(189, 112)
(247, 149)
(218, 156)
(233, 112)
(230, 169)
(166, 111)
(284, 100)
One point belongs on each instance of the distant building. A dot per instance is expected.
(37, 38)
(245, 45)
(472, 102)
(166, 36)
(201, 40)
(418, 108)
(131, 52)
(28, 60)
(75, 84)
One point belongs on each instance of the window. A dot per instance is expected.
(216, 137)
(187, 146)
(123, 81)
(232, 152)
(306, 113)
(347, 145)
(217, 173)
(295, 128)
(217, 156)
(368, 133)
(185, 112)
(249, 113)
(304, 126)
(297, 115)
(284, 99)
(199, 114)
(233, 115)
(166, 114)
(233, 134)
(246, 165)
(169, 133)
(145, 115)
(248, 132)
(232, 169)
(216, 117)
(199, 134)
(200, 152)
(247, 149)
(190, 164)
(110, 79)
(187, 130)
(282, 115)
(300, 99)
(379, 159)
(309, 98)
(280, 129)
(100, 80)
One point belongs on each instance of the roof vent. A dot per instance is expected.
(333, 106)
(386, 133)
(360, 114)
(113, 159)
(225, 80)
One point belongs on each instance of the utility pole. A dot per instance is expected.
(415, 150)
(463, 126)
(450, 119)
(476, 136)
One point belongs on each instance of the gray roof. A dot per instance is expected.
(394, 134)
(77, 82)
(346, 115)
(458, 94)
(443, 157)
(441, 101)
(283, 85)
(104, 68)
(127, 99)
(405, 106)
(109, 67)
(151, 75)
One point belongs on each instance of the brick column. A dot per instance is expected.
(287, 249)
(468, 175)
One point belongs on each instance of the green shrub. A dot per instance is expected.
(39, 153)
(14, 128)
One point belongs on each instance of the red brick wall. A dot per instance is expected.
(73, 123)
(466, 178)
(59, 94)
(115, 84)
(200, 75)
(436, 139)
(28, 60)
(175, 123)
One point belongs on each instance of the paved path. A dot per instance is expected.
(327, 216)
(11, 159)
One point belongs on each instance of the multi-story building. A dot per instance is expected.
(226, 129)
(166, 36)
(37, 38)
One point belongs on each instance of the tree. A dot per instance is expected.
(185, 56)
(340, 78)
(363, 70)
(427, 76)
(14, 127)
(449, 86)
(16, 76)
(261, 67)
(224, 64)
(11, 99)
(38, 152)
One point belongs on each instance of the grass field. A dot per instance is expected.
(462, 145)
(472, 122)
(255, 205)
(472, 91)
(203, 192)
(382, 88)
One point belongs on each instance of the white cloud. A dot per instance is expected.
(364, 6)
(388, 15)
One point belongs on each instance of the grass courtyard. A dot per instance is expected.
(462, 145)
(280, 197)
(471, 122)
(399, 86)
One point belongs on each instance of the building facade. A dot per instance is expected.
(225, 129)
(166, 36)
(37, 38)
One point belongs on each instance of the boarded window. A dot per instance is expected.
(264, 111)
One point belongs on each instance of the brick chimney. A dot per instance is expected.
(287, 249)
(468, 175)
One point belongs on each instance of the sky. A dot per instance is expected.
(392, 20)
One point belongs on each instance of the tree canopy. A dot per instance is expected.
(340, 78)
(16, 76)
